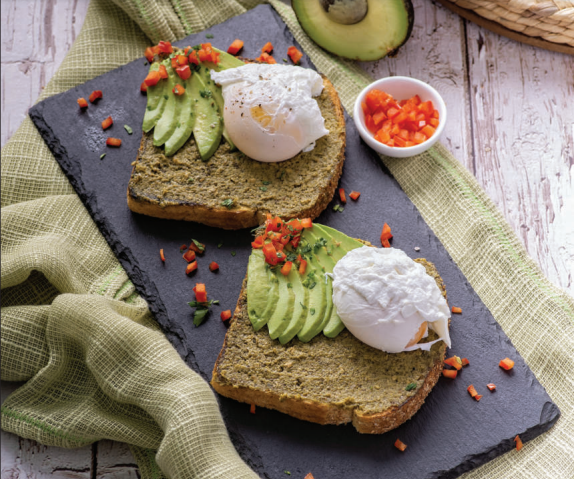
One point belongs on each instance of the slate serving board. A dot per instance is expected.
(451, 434)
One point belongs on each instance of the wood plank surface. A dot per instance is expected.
(511, 123)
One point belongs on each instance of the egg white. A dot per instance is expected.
(269, 110)
(383, 297)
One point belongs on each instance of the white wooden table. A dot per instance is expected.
(511, 123)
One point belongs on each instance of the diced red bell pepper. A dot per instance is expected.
(270, 254)
(189, 256)
(354, 195)
(302, 266)
(267, 48)
(428, 131)
(114, 142)
(161, 255)
(491, 386)
(266, 58)
(164, 47)
(193, 58)
(258, 242)
(456, 310)
(235, 46)
(82, 102)
(149, 54)
(518, 442)
(465, 361)
(455, 362)
(178, 89)
(182, 248)
(107, 123)
(286, 268)
(225, 315)
(401, 446)
(174, 63)
(152, 78)
(506, 363)
(295, 226)
(200, 293)
(472, 391)
(294, 54)
(182, 60)
(191, 267)
(386, 232)
(163, 72)
(143, 87)
(196, 248)
(96, 94)
(252, 408)
(184, 72)
(306, 223)
(449, 373)
(342, 195)
(213, 266)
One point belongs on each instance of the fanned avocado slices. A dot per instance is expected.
(298, 304)
(197, 111)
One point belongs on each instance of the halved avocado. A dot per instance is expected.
(386, 26)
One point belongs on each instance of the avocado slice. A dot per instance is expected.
(185, 121)
(208, 125)
(285, 306)
(218, 97)
(301, 310)
(386, 26)
(156, 101)
(167, 124)
(258, 286)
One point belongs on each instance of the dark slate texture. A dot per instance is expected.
(451, 434)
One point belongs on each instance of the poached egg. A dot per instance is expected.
(388, 301)
(269, 110)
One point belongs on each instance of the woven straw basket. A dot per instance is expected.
(551, 20)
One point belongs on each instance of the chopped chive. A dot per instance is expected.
(411, 386)
(102, 156)
(336, 208)
(208, 35)
(233, 253)
(263, 188)
(220, 245)
(128, 129)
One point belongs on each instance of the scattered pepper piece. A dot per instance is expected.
(309, 476)
(189, 256)
(82, 102)
(114, 142)
(491, 386)
(235, 46)
(472, 391)
(225, 315)
(266, 58)
(178, 89)
(213, 266)
(143, 87)
(252, 408)
(455, 362)
(286, 268)
(294, 54)
(306, 223)
(200, 293)
(161, 255)
(149, 54)
(518, 442)
(152, 78)
(182, 248)
(456, 310)
(164, 47)
(354, 195)
(400, 445)
(465, 362)
(449, 373)
(96, 94)
(302, 266)
(163, 72)
(267, 48)
(197, 246)
(342, 195)
(107, 123)
(191, 267)
(184, 72)
(386, 236)
(506, 363)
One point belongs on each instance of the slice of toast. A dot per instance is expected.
(183, 187)
(326, 381)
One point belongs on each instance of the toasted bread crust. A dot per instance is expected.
(240, 216)
(322, 412)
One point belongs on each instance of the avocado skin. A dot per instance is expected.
(299, 8)
(271, 302)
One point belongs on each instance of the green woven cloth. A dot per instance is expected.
(94, 361)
